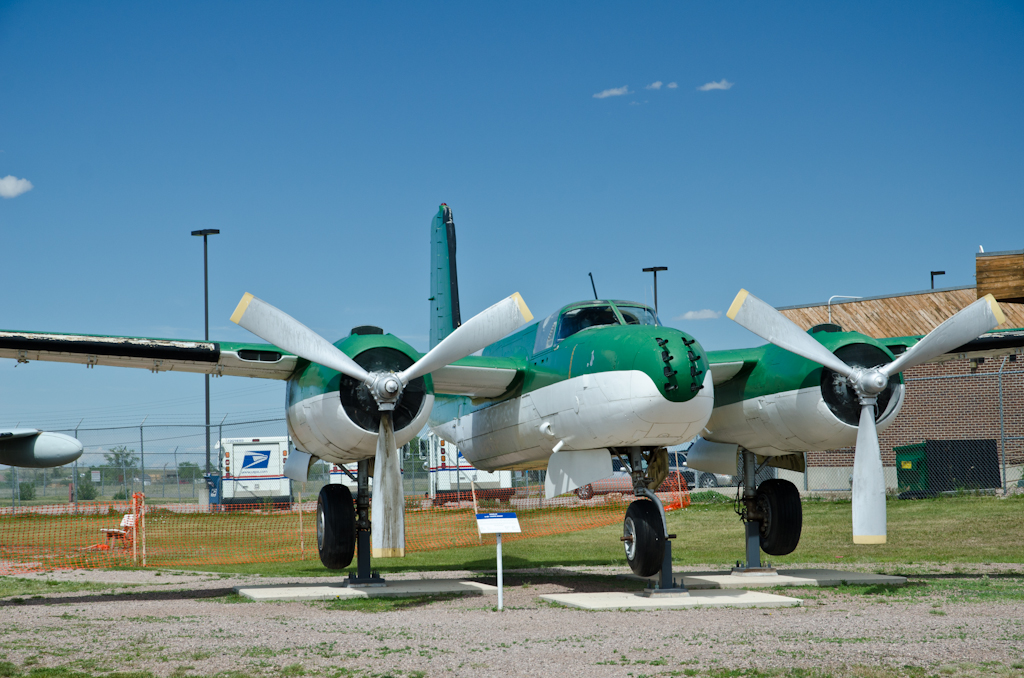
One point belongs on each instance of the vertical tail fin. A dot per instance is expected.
(444, 281)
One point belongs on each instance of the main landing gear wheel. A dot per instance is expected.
(335, 527)
(644, 538)
(779, 502)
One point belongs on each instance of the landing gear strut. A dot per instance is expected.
(645, 534)
(772, 517)
(363, 575)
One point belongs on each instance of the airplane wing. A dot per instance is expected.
(475, 376)
(264, 361)
(989, 345)
(478, 377)
(725, 365)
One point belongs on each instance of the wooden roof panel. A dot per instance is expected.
(898, 316)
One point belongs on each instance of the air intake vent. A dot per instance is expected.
(367, 329)
(259, 356)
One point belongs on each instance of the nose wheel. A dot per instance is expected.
(643, 538)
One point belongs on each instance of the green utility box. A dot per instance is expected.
(912, 469)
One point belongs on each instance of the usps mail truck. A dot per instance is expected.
(252, 471)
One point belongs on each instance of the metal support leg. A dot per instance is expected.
(364, 576)
(751, 519)
(752, 527)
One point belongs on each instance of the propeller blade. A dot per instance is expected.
(767, 323)
(868, 483)
(966, 325)
(282, 330)
(387, 526)
(481, 330)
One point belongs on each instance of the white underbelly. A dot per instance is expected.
(607, 409)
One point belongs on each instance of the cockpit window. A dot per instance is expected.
(638, 315)
(545, 333)
(578, 319)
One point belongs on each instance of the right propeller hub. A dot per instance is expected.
(868, 382)
(843, 394)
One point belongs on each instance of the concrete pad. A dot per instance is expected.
(696, 599)
(726, 579)
(397, 588)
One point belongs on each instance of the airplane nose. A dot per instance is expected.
(57, 449)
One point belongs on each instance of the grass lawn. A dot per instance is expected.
(963, 529)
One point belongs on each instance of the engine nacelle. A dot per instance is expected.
(334, 417)
(821, 412)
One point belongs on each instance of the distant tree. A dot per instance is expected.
(121, 457)
(188, 470)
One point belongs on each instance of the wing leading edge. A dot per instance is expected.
(263, 361)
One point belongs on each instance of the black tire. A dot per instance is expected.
(779, 502)
(708, 480)
(647, 548)
(586, 492)
(335, 527)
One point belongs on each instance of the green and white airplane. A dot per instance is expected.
(594, 380)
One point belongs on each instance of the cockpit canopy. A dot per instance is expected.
(586, 314)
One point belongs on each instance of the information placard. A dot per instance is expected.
(497, 523)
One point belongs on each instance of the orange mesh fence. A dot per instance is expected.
(134, 533)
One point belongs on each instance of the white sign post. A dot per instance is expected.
(496, 523)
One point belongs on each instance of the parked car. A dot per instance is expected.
(621, 482)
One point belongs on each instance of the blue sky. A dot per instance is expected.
(856, 147)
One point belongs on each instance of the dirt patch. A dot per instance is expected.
(193, 625)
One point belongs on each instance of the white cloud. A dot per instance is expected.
(655, 85)
(11, 186)
(723, 84)
(614, 92)
(672, 85)
(705, 314)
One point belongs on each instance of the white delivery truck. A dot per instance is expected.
(453, 479)
(252, 471)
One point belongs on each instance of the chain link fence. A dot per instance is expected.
(961, 429)
(165, 461)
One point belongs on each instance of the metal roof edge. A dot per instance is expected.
(996, 254)
(880, 296)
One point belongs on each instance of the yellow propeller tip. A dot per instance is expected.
(737, 303)
(869, 539)
(240, 309)
(527, 316)
(996, 310)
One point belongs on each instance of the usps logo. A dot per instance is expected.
(254, 461)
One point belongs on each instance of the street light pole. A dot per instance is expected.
(935, 273)
(654, 270)
(206, 301)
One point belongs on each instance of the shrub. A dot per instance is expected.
(87, 491)
(120, 494)
(27, 491)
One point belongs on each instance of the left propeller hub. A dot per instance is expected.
(386, 389)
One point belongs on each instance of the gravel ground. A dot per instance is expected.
(179, 624)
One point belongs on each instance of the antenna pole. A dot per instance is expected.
(592, 285)
(654, 270)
